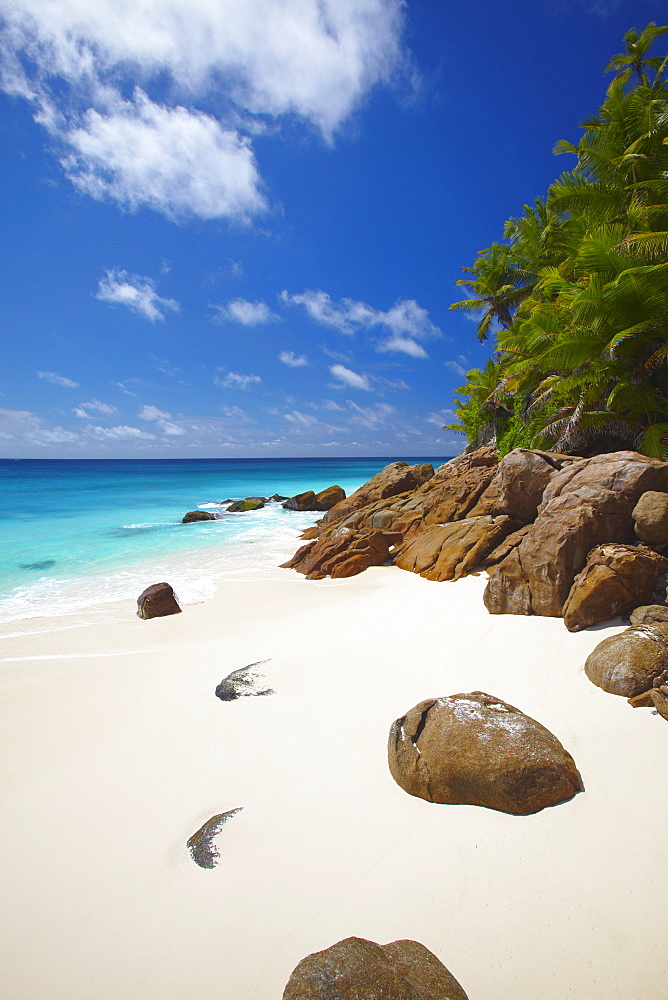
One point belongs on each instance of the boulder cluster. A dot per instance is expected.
(562, 536)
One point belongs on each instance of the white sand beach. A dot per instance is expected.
(116, 750)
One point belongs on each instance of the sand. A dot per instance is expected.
(116, 750)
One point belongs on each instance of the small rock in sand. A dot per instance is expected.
(157, 601)
(244, 683)
(202, 848)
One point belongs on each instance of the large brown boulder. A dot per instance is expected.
(627, 473)
(650, 515)
(523, 477)
(157, 601)
(538, 574)
(343, 555)
(456, 486)
(505, 547)
(357, 969)
(398, 477)
(474, 749)
(309, 500)
(615, 580)
(450, 551)
(631, 661)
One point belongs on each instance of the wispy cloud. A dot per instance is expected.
(83, 410)
(293, 360)
(55, 378)
(457, 366)
(244, 312)
(370, 416)
(350, 378)
(406, 321)
(233, 380)
(135, 292)
(84, 73)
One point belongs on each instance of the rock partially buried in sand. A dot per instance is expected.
(474, 749)
(631, 661)
(197, 515)
(157, 601)
(202, 849)
(357, 969)
(343, 555)
(244, 683)
(650, 614)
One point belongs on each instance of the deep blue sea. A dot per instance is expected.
(77, 534)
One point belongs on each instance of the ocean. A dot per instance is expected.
(79, 534)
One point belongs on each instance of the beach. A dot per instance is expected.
(117, 750)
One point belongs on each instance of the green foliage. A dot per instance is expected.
(578, 289)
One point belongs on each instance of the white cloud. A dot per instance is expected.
(440, 417)
(162, 418)
(175, 161)
(244, 312)
(330, 404)
(136, 292)
(370, 416)
(348, 377)
(55, 378)
(314, 59)
(406, 321)
(121, 433)
(293, 360)
(83, 410)
(456, 367)
(233, 380)
(235, 413)
(123, 388)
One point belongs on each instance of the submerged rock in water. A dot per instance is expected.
(157, 601)
(44, 564)
(250, 503)
(357, 969)
(246, 682)
(202, 849)
(474, 749)
(197, 515)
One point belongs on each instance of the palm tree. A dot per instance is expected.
(633, 60)
(497, 287)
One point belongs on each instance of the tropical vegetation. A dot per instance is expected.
(574, 298)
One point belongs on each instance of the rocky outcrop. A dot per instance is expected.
(343, 555)
(357, 969)
(201, 845)
(247, 682)
(474, 749)
(626, 473)
(455, 487)
(450, 551)
(309, 500)
(650, 516)
(615, 580)
(522, 479)
(250, 503)
(504, 548)
(650, 614)
(538, 574)
(157, 601)
(396, 478)
(197, 515)
(630, 662)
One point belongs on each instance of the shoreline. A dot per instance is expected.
(118, 750)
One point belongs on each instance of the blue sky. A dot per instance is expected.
(234, 229)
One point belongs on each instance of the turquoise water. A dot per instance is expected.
(75, 534)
